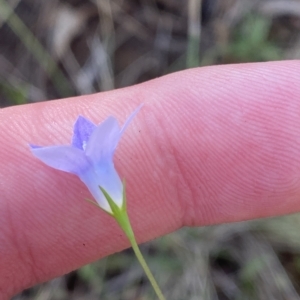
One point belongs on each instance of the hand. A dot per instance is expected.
(211, 145)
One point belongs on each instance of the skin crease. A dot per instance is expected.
(210, 145)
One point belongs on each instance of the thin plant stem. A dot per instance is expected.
(129, 233)
(121, 216)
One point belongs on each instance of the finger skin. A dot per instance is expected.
(210, 145)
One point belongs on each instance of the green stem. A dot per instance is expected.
(126, 226)
(121, 216)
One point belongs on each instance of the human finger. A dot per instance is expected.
(211, 145)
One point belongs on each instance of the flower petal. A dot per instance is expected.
(110, 181)
(104, 176)
(130, 119)
(92, 183)
(64, 158)
(103, 141)
(83, 128)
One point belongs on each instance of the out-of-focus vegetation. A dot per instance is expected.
(53, 49)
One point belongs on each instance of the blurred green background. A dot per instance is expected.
(60, 48)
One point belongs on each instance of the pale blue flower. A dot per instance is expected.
(90, 157)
